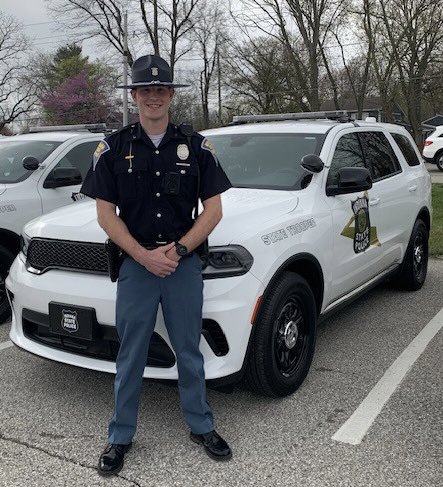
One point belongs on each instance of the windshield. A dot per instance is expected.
(266, 161)
(12, 153)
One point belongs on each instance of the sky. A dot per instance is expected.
(40, 26)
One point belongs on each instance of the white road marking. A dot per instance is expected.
(361, 420)
(6, 345)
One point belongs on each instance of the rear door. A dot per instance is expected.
(389, 195)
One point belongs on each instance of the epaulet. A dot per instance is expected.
(122, 130)
(186, 129)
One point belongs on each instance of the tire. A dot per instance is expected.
(414, 268)
(439, 160)
(282, 347)
(6, 259)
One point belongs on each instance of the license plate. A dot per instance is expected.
(72, 321)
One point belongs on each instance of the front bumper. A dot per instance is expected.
(228, 302)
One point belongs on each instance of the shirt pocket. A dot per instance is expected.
(188, 180)
(131, 181)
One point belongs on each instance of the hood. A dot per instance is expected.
(244, 211)
(77, 221)
(2, 188)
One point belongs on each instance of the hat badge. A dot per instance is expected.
(154, 71)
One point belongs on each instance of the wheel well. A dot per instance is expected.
(10, 240)
(437, 154)
(309, 268)
(426, 217)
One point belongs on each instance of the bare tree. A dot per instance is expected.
(413, 35)
(16, 97)
(209, 36)
(313, 22)
(261, 78)
(163, 24)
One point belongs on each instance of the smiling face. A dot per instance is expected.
(153, 103)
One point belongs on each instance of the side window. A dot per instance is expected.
(80, 157)
(347, 153)
(379, 155)
(407, 150)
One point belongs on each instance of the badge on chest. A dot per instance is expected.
(182, 152)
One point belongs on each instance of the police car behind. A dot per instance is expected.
(321, 210)
(39, 171)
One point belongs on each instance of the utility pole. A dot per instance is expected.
(125, 68)
(219, 89)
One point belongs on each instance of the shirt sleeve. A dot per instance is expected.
(100, 181)
(213, 179)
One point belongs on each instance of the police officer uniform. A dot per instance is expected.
(156, 190)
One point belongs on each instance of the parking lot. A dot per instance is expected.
(53, 417)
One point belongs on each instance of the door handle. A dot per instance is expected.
(412, 188)
(374, 201)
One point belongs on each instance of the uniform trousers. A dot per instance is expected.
(139, 293)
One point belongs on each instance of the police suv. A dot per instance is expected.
(39, 171)
(322, 209)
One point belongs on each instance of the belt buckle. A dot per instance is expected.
(161, 242)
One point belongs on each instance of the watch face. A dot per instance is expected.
(181, 249)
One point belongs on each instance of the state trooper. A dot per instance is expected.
(152, 171)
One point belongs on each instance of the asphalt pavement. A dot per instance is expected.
(53, 417)
(434, 171)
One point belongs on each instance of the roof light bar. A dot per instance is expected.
(339, 115)
(91, 127)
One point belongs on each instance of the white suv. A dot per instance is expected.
(433, 149)
(39, 172)
(321, 210)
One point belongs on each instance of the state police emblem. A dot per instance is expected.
(362, 232)
(69, 321)
(101, 149)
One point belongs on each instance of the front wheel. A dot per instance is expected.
(6, 259)
(439, 161)
(283, 340)
(414, 268)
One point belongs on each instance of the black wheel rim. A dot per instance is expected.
(290, 337)
(419, 256)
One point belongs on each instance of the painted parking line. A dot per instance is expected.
(6, 345)
(358, 424)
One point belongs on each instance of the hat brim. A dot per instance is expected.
(152, 83)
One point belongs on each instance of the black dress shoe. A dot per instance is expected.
(215, 446)
(112, 459)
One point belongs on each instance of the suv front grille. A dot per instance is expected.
(44, 254)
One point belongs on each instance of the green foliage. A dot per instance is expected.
(436, 240)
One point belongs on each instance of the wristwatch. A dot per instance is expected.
(181, 249)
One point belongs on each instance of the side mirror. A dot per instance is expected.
(312, 163)
(30, 163)
(351, 180)
(63, 176)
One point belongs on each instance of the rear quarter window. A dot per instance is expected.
(406, 149)
(379, 155)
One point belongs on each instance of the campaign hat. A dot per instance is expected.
(151, 70)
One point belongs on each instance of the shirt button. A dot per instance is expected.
(183, 171)
(157, 152)
(159, 215)
(157, 194)
(157, 173)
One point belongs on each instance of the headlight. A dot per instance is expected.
(228, 261)
(24, 243)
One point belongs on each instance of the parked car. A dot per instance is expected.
(39, 171)
(433, 148)
(322, 209)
